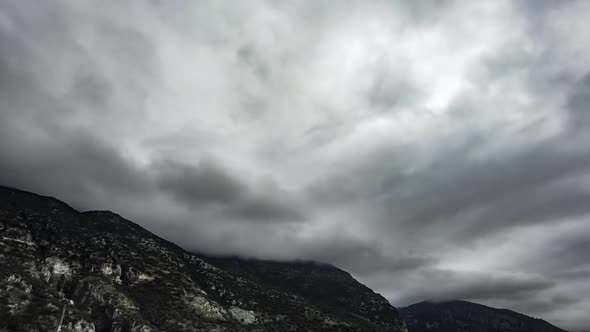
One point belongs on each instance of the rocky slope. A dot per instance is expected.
(111, 275)
(462, 316)
(323, 285)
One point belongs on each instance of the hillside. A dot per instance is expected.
(463, 316)
(112, 275)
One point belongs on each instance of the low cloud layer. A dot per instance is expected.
(435, 149)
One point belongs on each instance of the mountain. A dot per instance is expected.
(322, 285)
(106, 274)
(462, 316)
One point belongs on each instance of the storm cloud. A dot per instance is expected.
(435, 149)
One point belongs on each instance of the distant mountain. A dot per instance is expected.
(463, 316)
(111, 275)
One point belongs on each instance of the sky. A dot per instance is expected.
(434, 149)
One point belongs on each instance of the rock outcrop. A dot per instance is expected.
(108, 274)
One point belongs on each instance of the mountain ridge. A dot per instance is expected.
(123, 278)
(465, 316)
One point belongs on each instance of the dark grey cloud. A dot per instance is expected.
(499, 193)
(575, 274)
(209, 183)
(268, 208)
(579, 103)
(435, 149)
(74, 167)
(363, 257)
(548, 304)
(565, 257)
(476, 286)
(205, 183)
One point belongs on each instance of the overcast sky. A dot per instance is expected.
(434, 149)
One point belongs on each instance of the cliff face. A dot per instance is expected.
(111, 275)
(462, 316)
